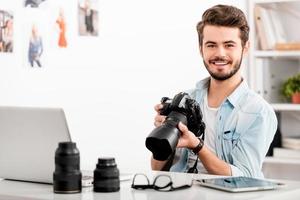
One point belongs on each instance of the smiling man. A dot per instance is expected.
(240, 125)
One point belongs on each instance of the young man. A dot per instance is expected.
(240, 125)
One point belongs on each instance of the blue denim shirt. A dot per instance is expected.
(245, 129)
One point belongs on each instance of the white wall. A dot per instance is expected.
(108, 85)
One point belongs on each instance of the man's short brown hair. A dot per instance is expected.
(224, 15)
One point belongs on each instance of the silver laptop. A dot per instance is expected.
(28, 140)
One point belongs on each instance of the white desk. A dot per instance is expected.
(12, 190)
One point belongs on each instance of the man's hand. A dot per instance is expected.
(158, 119)
(187, 138)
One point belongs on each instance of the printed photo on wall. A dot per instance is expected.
(33, 3)
(35, 47)
(34, 37)
(6, 31)
(61, 26)
(88, 17)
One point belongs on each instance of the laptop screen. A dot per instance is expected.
(28, 139)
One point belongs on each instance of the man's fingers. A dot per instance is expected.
(183, 128)
(160, 118)
(157, 124)
(157, 107)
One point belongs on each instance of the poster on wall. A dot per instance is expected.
(34, 36)
(62, 28)
(6, 31)
(35, 47)
(88, 17)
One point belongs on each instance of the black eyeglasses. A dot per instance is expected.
(161, 182)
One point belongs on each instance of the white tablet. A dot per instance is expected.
(238, 184)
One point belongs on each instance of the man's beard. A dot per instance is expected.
(222, 77)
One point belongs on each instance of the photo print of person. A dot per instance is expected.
(35, 49)
(33, 3)
(62, 41)
(6, 31)
(35, 27)
(88, 17)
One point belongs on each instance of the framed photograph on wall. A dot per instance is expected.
(62, 28)
(88, 17)
(34, 36)
(6, 31)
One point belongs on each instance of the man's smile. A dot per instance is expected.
(220, 63)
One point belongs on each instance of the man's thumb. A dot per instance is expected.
(183, 128)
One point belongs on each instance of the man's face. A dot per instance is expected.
(222, 51)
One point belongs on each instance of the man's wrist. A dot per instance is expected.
(196, 149)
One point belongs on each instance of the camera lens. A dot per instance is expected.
(163, 140)
(106, 176)
(67, 175)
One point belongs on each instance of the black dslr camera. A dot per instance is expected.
(163, 140)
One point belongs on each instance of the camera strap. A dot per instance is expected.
(194, 169)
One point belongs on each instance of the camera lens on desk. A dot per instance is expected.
(67, 174)
(106, 176)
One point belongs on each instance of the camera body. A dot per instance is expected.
(162, 141)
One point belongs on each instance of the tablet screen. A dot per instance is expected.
(238, 184)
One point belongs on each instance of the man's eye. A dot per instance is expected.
(210, 46)
(229, 45)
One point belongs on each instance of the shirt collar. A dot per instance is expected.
(234, 97)
(203, 84)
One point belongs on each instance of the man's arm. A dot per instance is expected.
(210, 161)
(256, 134)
